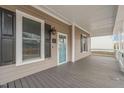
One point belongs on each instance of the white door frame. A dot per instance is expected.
(58, 48)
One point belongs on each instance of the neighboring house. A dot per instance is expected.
(32, 41)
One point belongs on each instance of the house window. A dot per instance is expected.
(83, 42)
(7, 37)
(29, 38)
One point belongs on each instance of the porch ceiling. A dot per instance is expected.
(97, 19)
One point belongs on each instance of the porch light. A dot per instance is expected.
(53, 30)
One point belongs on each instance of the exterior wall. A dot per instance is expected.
(11, 72)
(78, 54)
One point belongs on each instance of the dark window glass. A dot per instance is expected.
(7, 50)
(7, 37)
(47, 41)
(31, 38)
(7, 24)
(83, 42)
(0, 34)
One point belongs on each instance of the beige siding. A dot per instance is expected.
(12, 72)
(78, 54)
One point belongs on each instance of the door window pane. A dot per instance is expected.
(62, 48)
(31, 39)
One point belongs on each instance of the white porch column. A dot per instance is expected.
(73, 42)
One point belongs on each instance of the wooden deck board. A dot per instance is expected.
(3, 86)
(37, 83)
(93, 72)
(11, 84)
(24, 83)
(45, 79)
(58, 81)
(30, 82)
(67, 79)
(49, 77)
(64, 82)
(41, 81)
(18, 83)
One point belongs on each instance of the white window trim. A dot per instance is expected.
(19, 59)
(85, 51)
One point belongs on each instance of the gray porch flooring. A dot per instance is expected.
(91, 72)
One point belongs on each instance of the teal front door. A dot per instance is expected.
(62, 48)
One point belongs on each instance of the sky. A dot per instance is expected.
(102, 42)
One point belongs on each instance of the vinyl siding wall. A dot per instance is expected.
(78, 54)
(12, 72)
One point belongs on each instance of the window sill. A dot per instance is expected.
(30, 61)
(85, 52)
(47, 58)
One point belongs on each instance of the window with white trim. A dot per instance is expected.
(29, 38)
(83, 43)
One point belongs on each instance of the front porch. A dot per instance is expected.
(93, 71)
